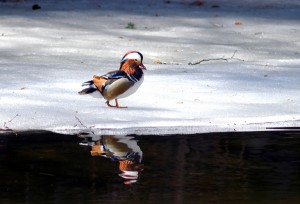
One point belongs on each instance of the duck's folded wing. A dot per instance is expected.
(101, 81)
(115, 75)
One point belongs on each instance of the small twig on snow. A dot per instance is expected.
(83, 125)
(5, 123)
(217, 59)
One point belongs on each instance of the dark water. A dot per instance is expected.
(44, 167)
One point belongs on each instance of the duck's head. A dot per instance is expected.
(135, 57)
(131, 64)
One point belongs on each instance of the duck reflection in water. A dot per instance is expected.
(122, 149)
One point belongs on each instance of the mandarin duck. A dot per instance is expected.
(120, 83)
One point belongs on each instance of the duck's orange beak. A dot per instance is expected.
(141, 66)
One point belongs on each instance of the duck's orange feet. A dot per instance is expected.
(116, 106)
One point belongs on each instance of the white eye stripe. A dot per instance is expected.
(133, 55)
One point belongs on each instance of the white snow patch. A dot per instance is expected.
(46, 54)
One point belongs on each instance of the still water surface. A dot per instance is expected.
(43, 167)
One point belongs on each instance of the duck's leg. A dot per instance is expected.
(107, 103)
(116, 106)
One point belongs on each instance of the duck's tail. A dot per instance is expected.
(87, 83)
(92, 88)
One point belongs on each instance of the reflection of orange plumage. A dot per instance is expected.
(125, 165)
(96, 149)
(125, 150)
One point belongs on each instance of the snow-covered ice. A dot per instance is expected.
(45, 54)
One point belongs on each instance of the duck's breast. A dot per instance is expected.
(117, 88)
(132, 89)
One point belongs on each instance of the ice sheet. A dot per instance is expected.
(249, 79)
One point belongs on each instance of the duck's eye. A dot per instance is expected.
(136, 60)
